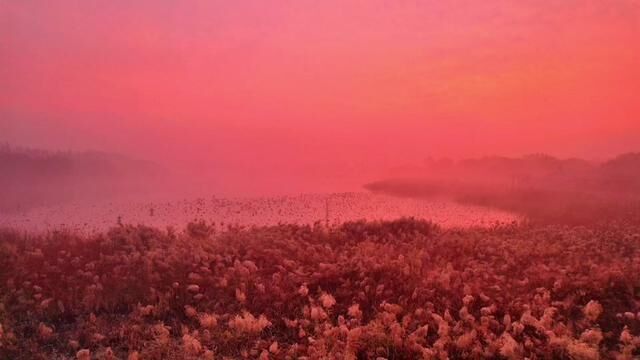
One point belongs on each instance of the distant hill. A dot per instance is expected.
(33, 177)
(622, 173)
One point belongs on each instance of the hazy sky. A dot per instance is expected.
(257, 87)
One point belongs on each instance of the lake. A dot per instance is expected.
(299, 209)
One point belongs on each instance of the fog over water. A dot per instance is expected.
(319, 179)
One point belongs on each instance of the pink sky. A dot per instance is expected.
(263, 87)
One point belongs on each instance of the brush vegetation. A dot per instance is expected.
(402, 289)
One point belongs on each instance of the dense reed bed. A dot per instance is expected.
(402, 289)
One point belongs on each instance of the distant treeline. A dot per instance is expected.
(30, 177)
(543, 187)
